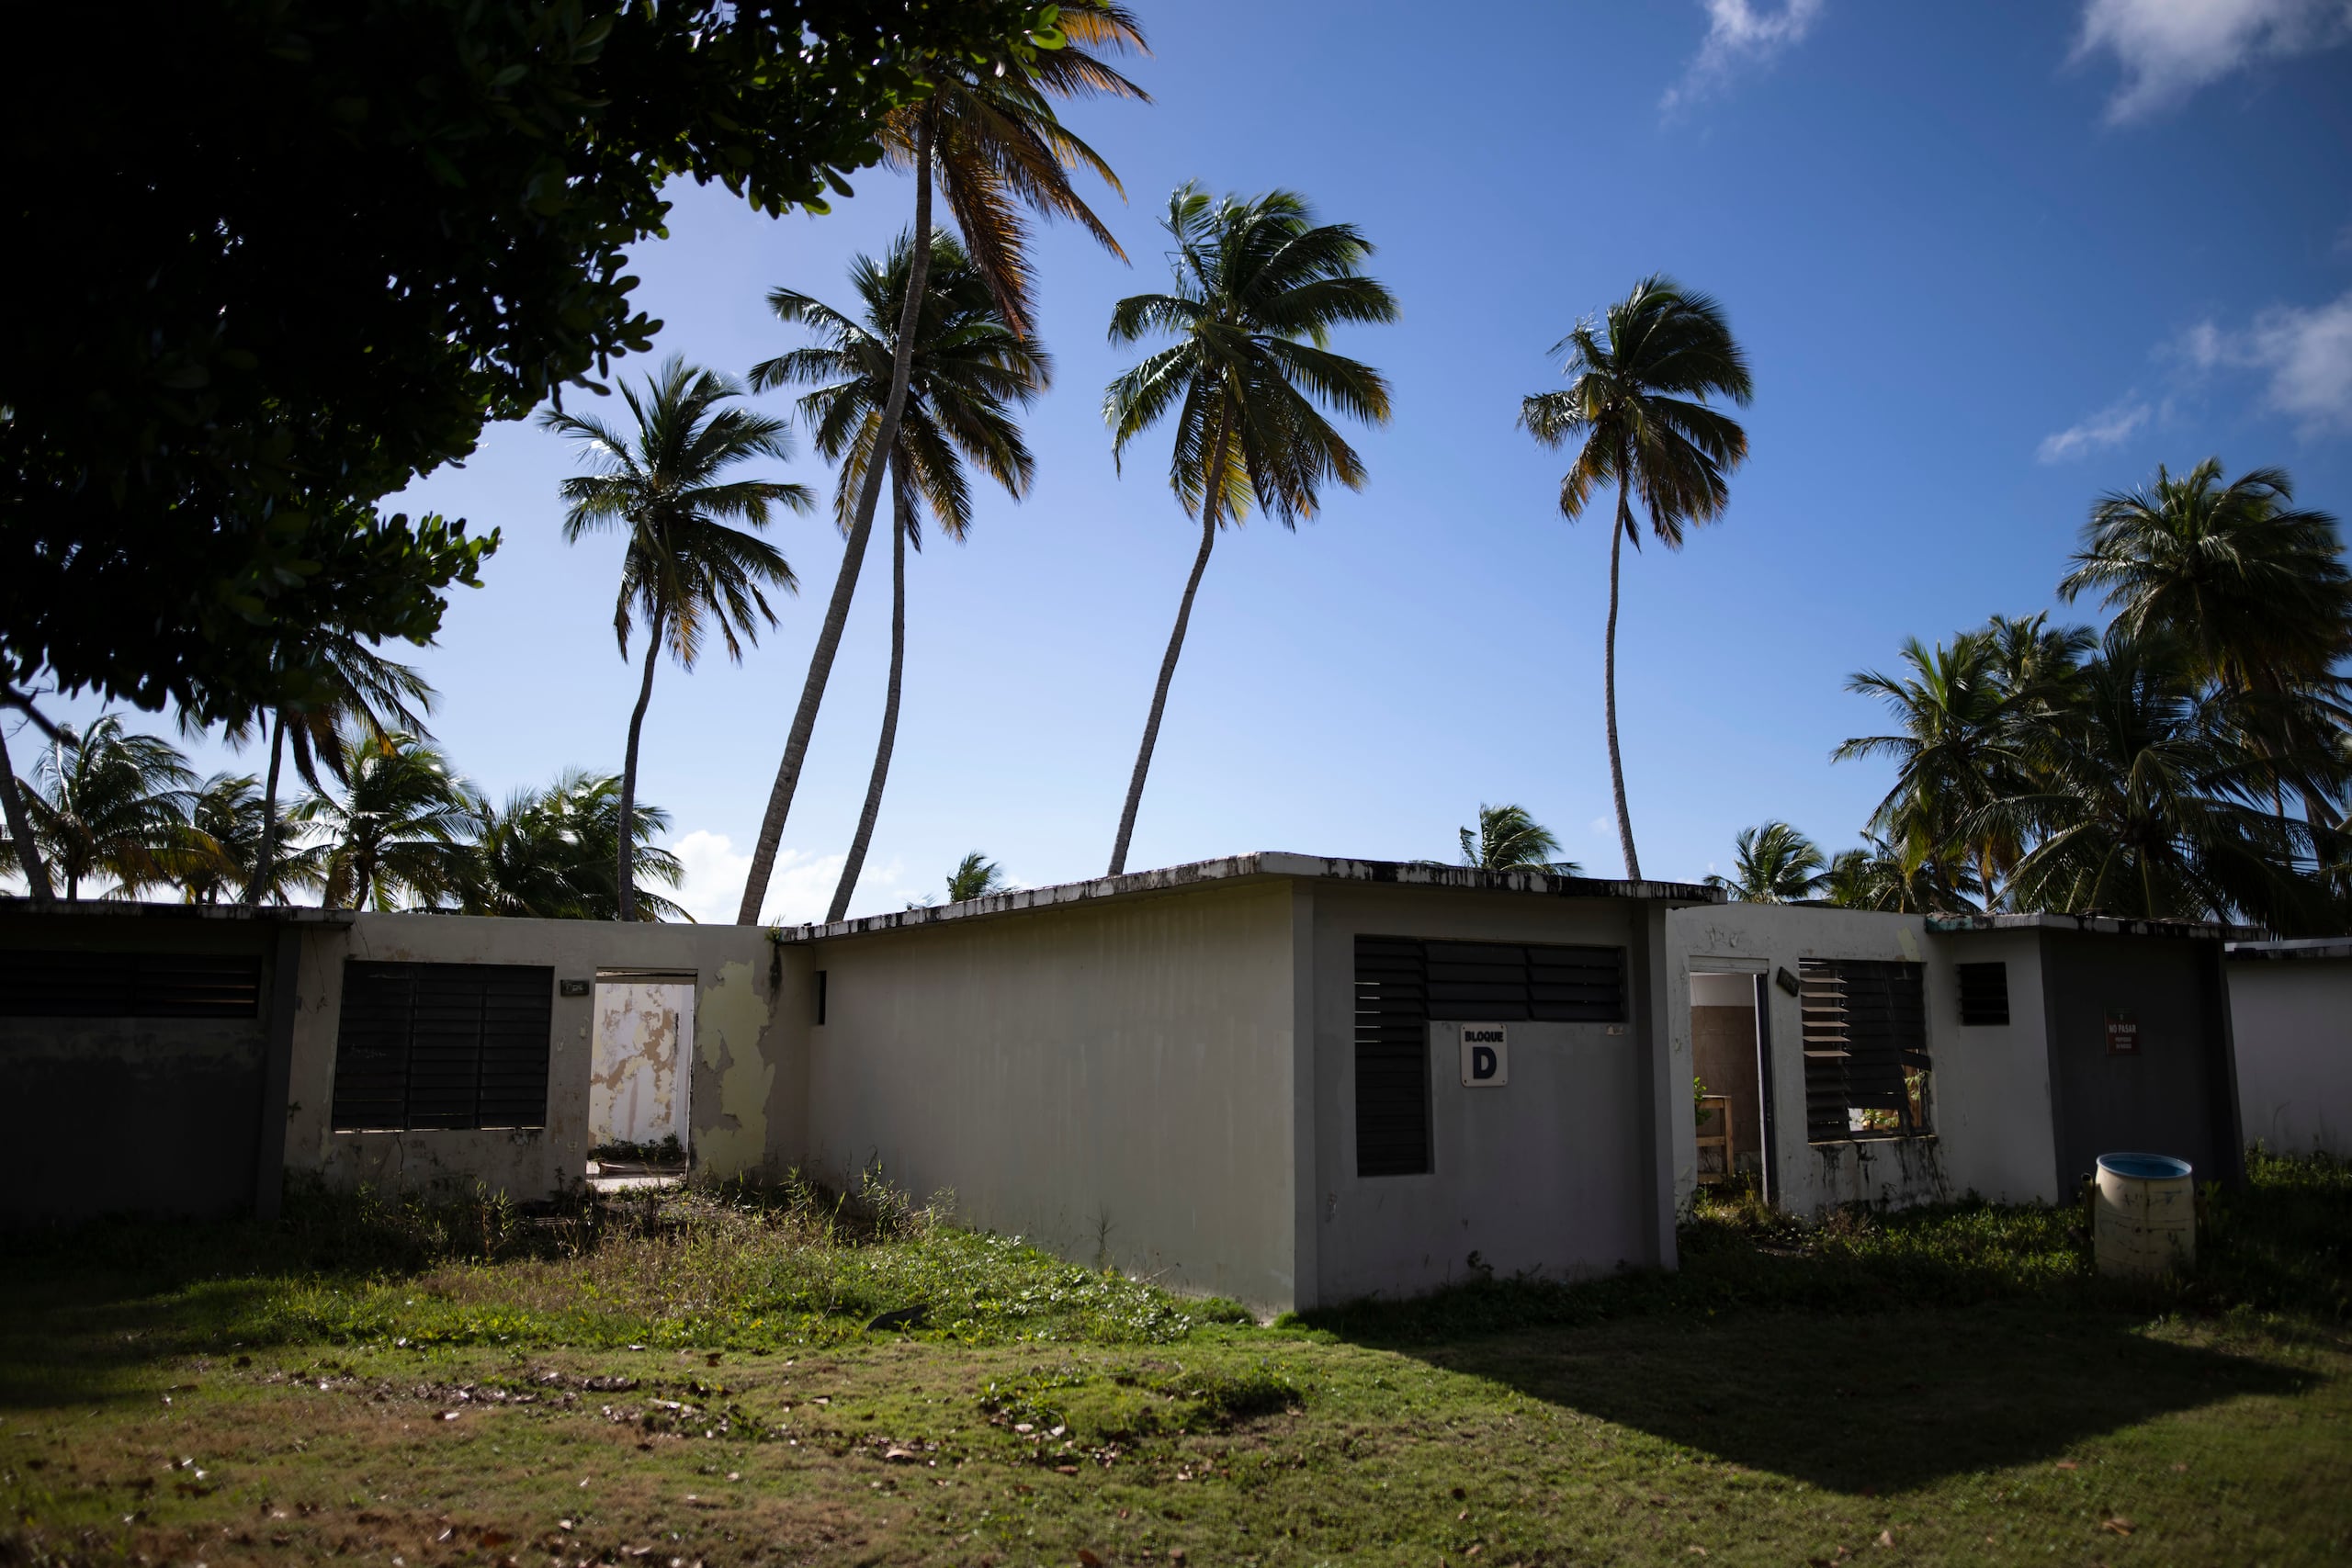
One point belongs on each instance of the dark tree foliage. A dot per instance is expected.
(276, 258)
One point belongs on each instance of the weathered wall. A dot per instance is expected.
(137, 1115)
(1992, 1091)
(1562, 1171)
(1112, 1081)
(2292, 1023)
(2166, 1098)
(1989, 1098)
(742, 1033)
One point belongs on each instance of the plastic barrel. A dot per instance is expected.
(2147, 1214)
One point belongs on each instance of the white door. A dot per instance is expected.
(644, 1054)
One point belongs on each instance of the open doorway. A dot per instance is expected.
(1730, 1055)
(640, 1078)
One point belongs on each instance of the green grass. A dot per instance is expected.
(449, 1381)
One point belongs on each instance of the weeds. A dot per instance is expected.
(2282, 1245)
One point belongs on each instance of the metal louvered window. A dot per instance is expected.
(1865, 1048)
(425, 1045)
(46, 983)
(1493, 982)
(1402, 982)
(1984, 993)
(1392, 1057)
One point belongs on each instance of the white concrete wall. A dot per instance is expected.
(1992, 1112)
(1989, 1091)
(745, 1047)
(2292, 1024)
(1115, 1081)
(1563, 1172)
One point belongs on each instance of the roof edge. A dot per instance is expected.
(2103, 925)
(2289, 949)
(102, 909)
(1259, 864)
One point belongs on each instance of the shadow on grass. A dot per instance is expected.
(93, 1340)
(1869, 1404)
(1879, 1350)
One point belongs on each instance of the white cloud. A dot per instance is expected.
(1603, 826)
(1740, 32)
(2307, 354)
(798, 892)
(2109, 427)
(2168, 48)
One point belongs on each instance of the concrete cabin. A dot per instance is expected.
(1895, 1059)
(1282, 1078)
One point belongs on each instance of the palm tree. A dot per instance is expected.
(398, 825)
(1635, 400)
(975, 877)
(2253, 588)
(336, 683)
(1775, 863)
(966, 373)
(1508, 839)
(229, 831)
(2034, 664)
(988, 137)
(1955, 748)
(1915, 876)
(685, 570)
(107, 804)
(2147, 800)
(1258, 287)
(551, 854)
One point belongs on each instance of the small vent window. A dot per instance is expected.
(442, 1045)
(40, 984)
(1984, 993)
(1865, 1048)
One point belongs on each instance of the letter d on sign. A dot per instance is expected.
(1486, 1056)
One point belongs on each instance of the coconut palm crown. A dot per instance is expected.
(393, 836)
(2255, 588)
(107, 804)
(1773, 864)
(1508, 839)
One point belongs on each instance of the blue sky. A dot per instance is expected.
(1988, 261)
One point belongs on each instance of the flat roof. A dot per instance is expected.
(2103, 925)
(118, 908)
(1262, 864)
(2302, 947)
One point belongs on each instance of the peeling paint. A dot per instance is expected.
(732, 1017)
(634, 1093)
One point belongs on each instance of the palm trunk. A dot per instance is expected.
(20, 831)
(1609, 682)
(265, 857)
(1167, 674)
(829, 637)
(627, 866)
(882, 749)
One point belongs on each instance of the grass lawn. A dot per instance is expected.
(414, 1384)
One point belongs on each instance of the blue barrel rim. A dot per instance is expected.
(2146, 1167)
